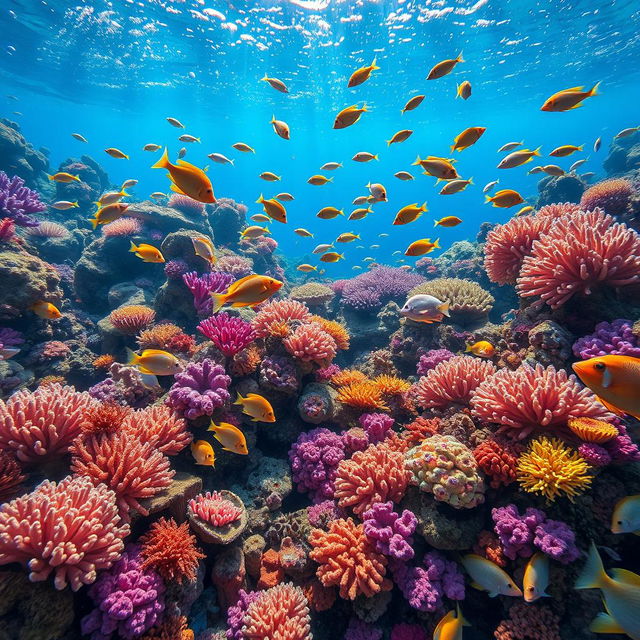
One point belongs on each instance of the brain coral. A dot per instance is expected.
(530, 398)
(348, 560)
(313, 293)
(443, 466)
(468, 302)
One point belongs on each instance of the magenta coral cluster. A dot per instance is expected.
(202, 286)
(615, 338)
(376, 426)
(390, 532)
(431, 359)
(231, 334)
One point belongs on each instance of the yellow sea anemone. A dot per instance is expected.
(391, 385)
(336, 330)
(552, 469)
(592, 430)
(363, 395)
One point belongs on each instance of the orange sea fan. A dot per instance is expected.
(49, 380)
(158, 337)
(364, 395)
(391, 385)
(347, 377)
(592, 430)
(336, 330)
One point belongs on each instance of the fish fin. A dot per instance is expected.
(436, 244)
(577, 106)
(610, 407)
(133, 248)
(594, 90)
(580, 148)
(487, 199)
(273, 119)
(604, 623)
(444, 309)
(374, 66)
(177, 189)
(51, 177)
(265, 79)
(94, 223)
(436, 223)
(628, 577)
(593, 575)
(478, 586)
(536, 152)
(163, 163)
(468, 348)
(388, 143)
(132, 358)
(459, 58)
(239, 399)
(218, 301)
(260, 200)
(458, 90)
(471, 180)
(417, 161)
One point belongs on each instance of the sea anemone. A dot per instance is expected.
(215, 509)
(230, 334)
(592, 430)
(158, 425)
(391, 385)
(335, 329)
(277, 314)
(309, 343)
(158, 336)
(49, 229)
(346, 377)
(365, 395)
(131, 319)
(612, 196)
(122, 227)
(185, 204)
(105, 418)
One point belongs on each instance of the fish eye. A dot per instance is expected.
(531, 589)
(599, 366)
(619, 522)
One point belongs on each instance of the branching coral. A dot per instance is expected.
(498, 460)
(389, 531)
(18, 202)
(158, 336)
(159, 426)
(529, 622)
(431, 359)
(310, 343)
(132, 319)
(231, 334)
(203, 286)
(71, 529)
(366, 396)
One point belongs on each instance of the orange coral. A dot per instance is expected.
(336, 330)
(271, 572)
(488, 545)
(105, 418)
(246, 362)
(319, 597)
(592, 430)
(415, 432)
(391, 385)
(362, 395)
(348, 560)
(160, 426)
(172, 628)
(158, 337)
(51, 380)
(347, 377)
(103, 362)
(171, 550)
(132, 319)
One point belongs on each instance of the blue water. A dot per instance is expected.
(114, 71)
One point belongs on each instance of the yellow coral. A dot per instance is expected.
(391, 385)
(336, 330)
(592, 430)
(363, 395)
(553, 469)
(158, 337)
(346, 377)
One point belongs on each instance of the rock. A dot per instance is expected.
(127, 293)
(58, 250)
(93, 183)
(318, 403)
(566, 188)
(227, 218)
(624, 155)
(19, 158)
(176, 496)
(268, 484)
(211, 534)
(13, 376)
(168, 219)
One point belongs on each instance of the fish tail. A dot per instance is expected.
(424, 206)
(331, 179)
(75, 204)
(163, 163)
(94, 223)
(581, 147)
(436, 244)
(213, 426)
(376, 157)
(374, 65)
(218, 300)
(389, 141)
(417, 161)
(593, 575)
(340, 213)
(537, 151)
(273, 117)
(365, 108)
(133, 247)
(453, 148)
(436, 223)
(458, 90)
(487, 199)
(132, 358)
(444, 309)
(260, 200)
(471, 180)
(239, 399)
(50, 177)
(468, 348)
(124, 194)
(594, 90)
(460, 58)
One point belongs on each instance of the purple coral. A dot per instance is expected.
(389, 531)
(314, 459)
(279, 373)
(614, 338)
(231, 334)
(622, 448)
(18, 202)
(203, 286)
(199, 389)
(557, 540)
(404, 631)
(432, 358)
(129, 600)
(10, 337)
(595, 454)
(237, 612)
(360, 630)
(175, 269)
(376, 426)
(322, 513)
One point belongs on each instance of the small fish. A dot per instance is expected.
(364, 156)
(482, 348)
(377, 191)
(425, 308)
(257, 407)
(303, 233)
(373, 246)
(360, 214)
(403, 175)
(332, 256)
(553, 170)
(281, 128)
(588, 175)
(158, 195)
(383, 235)
(220, 158)
(230, 437)
(147, 252)
(536, 577)
(463, 90)
(175, 123)
(409, 213)
(269, 177)
(626, 515)
(203, 247)
(330, 166)
(422, 247)
(111, 197)
(322, 248)
(565, 150)
(108, 213)
(412, 103)
(487, 187)
(151, 147)
(46, 310)
(79, 137)
(328, 213)
(597, 144)
(318, 180)
(285, 197)
(362, 74)
(247, 292)
(399, 136)
(8, 352)
(510, 146)
(569, 98)
(241, 146)
(625, 133)
(441, 168)
(306, 268)
(128, 183)
(367, 259)
(187, 179)
(63, 177)
(526, 209)
(615, 380)
(621, 595)
(488, 576)
(577, 163)
(185, 137)
(535, 170)
(450, 626)
(444, 68)
(182, 153)
(116, 153)
(277, 84)
(349, 116)
(467, 138)
(360, 200)
(518, 158)
(504, 198)
(455, 186)
(155, 361)
(274, 209)
(203, 453)
(447, 221)
(63, 205)
(396, 253)
(254, 231)
(260, 217)
(356, 267)
(347, 237)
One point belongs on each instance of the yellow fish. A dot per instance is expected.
(621, 595)
(403, 175)
(488, 576)
(260, 217)
(565, 150)
(463, 90)
(241, 146)
(378, 192)
(626, 515)
(274, 209)
(269, 177)
(347, 237)
(247, 292)
(111, 197)
(444, 68)
(422, 247)
(147, 252)
(441, 168)
(306, 268)
(230, 437)
(360, 199)
(412, 103)
(504, 198)
(63, 205)
(108, 214)
(277, 84)
(203, 453)
(303, 233)
(467, 138)
(364, 156)
(518, 158)
(526, 209)
(359, 214)
(455, 186)
(174, 122)
(332, 256)
(553, 170)
(399, 136)
(321, 248)
(155, 361)
(46, 310)
(447, 221)
(482, 348)
(330, 166)
(203, 247)
(257, 407)
(254, 232)
(63, 177)
(450, 626)
(362, 74)
(187, 179)
(409, 213)
(285, 197)
(569, 98)
(281, 128)
(151, 147)
(348, 116)
(116, 153)
(328, 213)
(536, 577)
(319, 180)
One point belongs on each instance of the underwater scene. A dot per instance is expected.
(319, 319)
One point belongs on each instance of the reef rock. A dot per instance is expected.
(567, 188)
(624, 155)
(168, 219)
(18, 157)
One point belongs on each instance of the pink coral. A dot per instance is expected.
(453, 380)
(376, 474)
(529, 622)
(577, 254)
(231, 334)
(237, 266)
(122, 227)
(612, 196)
(160, 426)
(186, 205)
(133, 469)
(215, 509)
(41, 425)
(71, 529)
(557, 209)
(310, 343)
(533, 398)
(277, 313)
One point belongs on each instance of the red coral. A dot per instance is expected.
(7, 230)
(451, 381)
(421, 428)
(488, 545)
(105, 418)
(612, 196)
(10, 476)
(578, 253)
(71, 529)
(271, 571)
(170, 549)
(160, 426)
(498, 460)
(310, 343)
(320, 598)
(181, 343)
(132, 319)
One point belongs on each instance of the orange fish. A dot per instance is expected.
(203, 453)
(46, 310)
(257, 407)
(362, 74)
(615, 380)
(247, 292)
